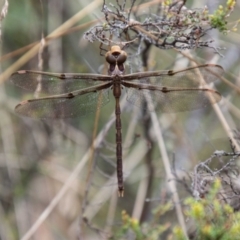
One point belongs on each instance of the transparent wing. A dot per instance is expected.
(63, 107)
(188, 77)
(174, 100)
(177, 92)
(50, 83)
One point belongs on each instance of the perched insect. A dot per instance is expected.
(74, 94)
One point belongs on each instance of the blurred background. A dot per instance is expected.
(49, 168)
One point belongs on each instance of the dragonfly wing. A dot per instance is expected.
(63, 107)
(178, 91)
(53, 83)
(173, 100)
(189, 77)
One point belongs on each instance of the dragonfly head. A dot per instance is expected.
(116, 58)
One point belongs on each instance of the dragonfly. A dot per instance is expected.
(68, 95)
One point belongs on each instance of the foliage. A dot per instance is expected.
(146, 231)
(213, 219)
(218, 18)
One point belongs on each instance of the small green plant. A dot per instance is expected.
(211, 217)
(214, 220)
(218, 18)
(144, 231)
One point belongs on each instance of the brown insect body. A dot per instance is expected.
(116, 58)
(74, 94)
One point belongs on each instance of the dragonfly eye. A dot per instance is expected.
(116, 57)
(111, 58)
(122, 57)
